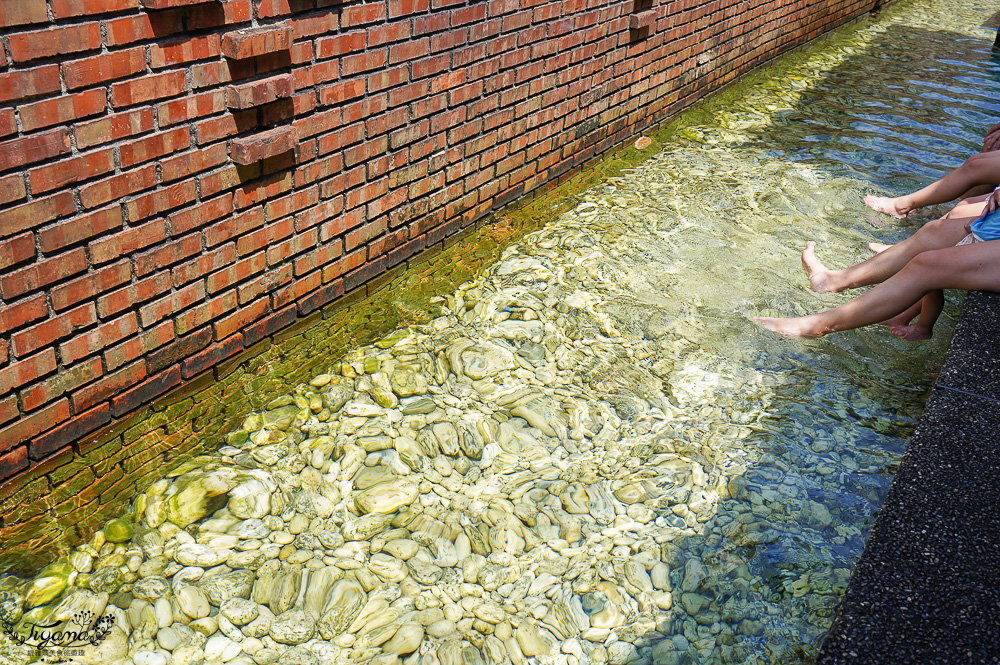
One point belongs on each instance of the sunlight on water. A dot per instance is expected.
(593, 455)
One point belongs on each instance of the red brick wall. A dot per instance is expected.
(172, 191)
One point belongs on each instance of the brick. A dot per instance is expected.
(183, 165)
(25, 46)
(364, 62)
(160, 201)
(113, 127)
(68, 171)
(69, 432)
(122, 354)
(58, 327)
(98, 338)
(22, 12)
(118, 186)
(128, 241)
(28, 83)
(258, 93)
(203, 265)
(36, 148)
(9, 409)
(192, 106)
(148, 88)
(75, 8)
(175, 302)
(263, 145)
(202, 214)
(236, 272)
(30, 426)
(252, 42)
(13, 462)
(207, 311)
(17, 249)
(43, 273)
(132, 399)
(108, 386)
(269, 325)
(154, 146)
(240, 319)
(26, 371)
(211, 356)
(233, 226)
(22, 313)
(183, 50)
(145, 26)
(80, 228)
(169, 4)
(65, 381)
(179, 349)
(133, 294)
(167, 255)
(99, 68)
(90, 285)
(350, 42)
(8, 123)
(62, 110)
(399, 8)
(362, 14)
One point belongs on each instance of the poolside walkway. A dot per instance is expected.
(927, 587)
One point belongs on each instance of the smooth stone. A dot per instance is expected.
(530, 641)
(108, 650)
(220, 588)
(293, 627)
(149, 658)
(387, 497)
(239, 610)
(250, 499)
(405, 640)
(441, 629)
(151, 588)
(193, 602)
(118, 531)
(202, 556)
(344, 603)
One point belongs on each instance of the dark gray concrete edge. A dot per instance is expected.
(927, 587)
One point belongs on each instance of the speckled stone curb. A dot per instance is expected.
(927, 587)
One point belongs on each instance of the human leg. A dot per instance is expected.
(971, 206)
(937, 234)
(980, 169)
(931, 307)
(967, 267)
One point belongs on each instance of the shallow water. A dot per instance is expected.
(594, 454)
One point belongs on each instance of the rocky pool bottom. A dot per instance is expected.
(509, 483)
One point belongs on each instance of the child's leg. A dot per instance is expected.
(904, 318)
(968, 267)
(931, 307)
(937, 234)
(980, 169)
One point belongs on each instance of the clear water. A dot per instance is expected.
(765, 459)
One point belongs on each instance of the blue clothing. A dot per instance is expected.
(987, 226)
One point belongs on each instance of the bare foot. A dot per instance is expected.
(912, 333)
(796, 327)
(878, 247)
(819, 274)
(897, 321)
(888, 205)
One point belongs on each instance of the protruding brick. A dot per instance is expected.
(642, 20)
(252, 149)
(258, 93)
(252, 42)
